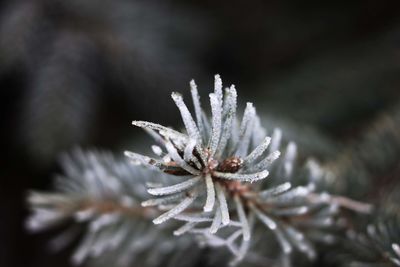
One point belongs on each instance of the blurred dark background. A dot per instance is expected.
(76, 72)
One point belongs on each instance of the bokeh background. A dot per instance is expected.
(77, 72)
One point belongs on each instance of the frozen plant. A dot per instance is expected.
(222, 163)
(102, 195)
(223, 180)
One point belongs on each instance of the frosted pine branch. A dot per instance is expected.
(223, 180)
(225, 162)
(103, 196)
(378, 244)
